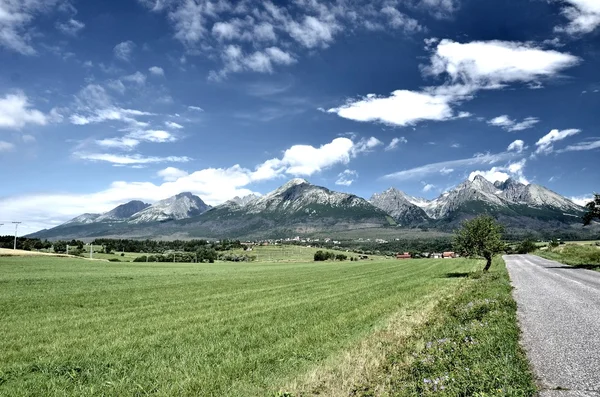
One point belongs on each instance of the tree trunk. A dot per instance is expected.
(488, 264)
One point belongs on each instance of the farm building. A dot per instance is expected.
(405, 255)
(448, 254)
(436, 255)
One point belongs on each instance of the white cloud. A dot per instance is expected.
(494, 63)
(124, 143)
(214, 185)
(171, 174)
(516, 146)
(16, 18)
(428, 187)
(444, 167)
(124, 50)
(71, 27)
(586, 145)
(157, 71)
(306, 160)
(28, 138)
(210, 27)
(196, 108)
(395, 142)
(94, 105)
(471, 67)
(16, 112)
(236, 61)
(398, 20)
(6, 146)
(366, 145)
(545, 143)
(129, 159)
(138, 78)
(446, 171)
(501, 174)
(583, 16)
(156, 136)
(512, 125)
(172, 124)
(582, 200)
(346, 178)
(401, 108)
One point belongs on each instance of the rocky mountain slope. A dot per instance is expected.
(300, 208)
(122, 212)
(182, 206)
(400, 207)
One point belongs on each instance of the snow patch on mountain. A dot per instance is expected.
(182, 206)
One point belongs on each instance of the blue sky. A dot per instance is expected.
(106, 102)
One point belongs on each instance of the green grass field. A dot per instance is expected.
(76, 327)
(582, 254)
(81, 327)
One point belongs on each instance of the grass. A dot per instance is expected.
(290, 253)
(76, 327)
(468, 347)
(579, 255)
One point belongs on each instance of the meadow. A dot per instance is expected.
(79, 327)
(580, 254)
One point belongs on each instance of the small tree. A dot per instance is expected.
(480, 236)
(593, 210)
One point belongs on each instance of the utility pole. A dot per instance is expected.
(16, 226)
(91, 250)
(67, 249)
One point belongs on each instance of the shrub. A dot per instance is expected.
(526, 247)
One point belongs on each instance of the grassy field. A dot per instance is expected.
(575, 254)
(76, 327)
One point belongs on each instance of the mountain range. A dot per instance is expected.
(300, 208)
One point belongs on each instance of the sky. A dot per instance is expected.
(109, 101)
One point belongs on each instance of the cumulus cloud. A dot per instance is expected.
(395, 142)
(545, 143)
(501, 174)
(138, 78)
(583, 16)
(516, 146)
(346, 178)
(470, 67)
(171, 174)
(16, 112)
(491, 64)
(428, 187)
(124, 50)
(582, 200)
(401, 108)
(512, 125)
(157, 71)
(214, 185)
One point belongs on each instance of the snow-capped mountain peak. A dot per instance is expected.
(181, 206)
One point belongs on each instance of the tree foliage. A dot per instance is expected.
(526, 246)
(593, 210)
(480, 236)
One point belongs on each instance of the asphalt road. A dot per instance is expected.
(559, 315)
